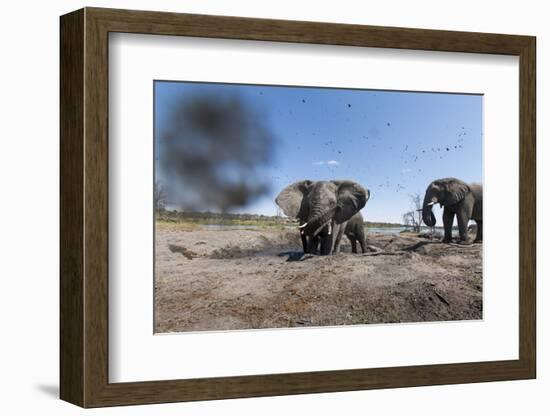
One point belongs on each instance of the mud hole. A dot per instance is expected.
(251, 279)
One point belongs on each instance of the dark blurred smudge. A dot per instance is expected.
(211, 153)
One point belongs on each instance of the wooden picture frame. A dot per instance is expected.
(84, 207)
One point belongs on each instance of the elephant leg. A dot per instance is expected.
(304, 241)
(448, 217)
(353, 242)
(338, 231)
(326, 245)
(362, 239)
(314, 244)
(462, 219)
(479, 234)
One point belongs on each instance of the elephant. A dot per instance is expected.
(458, 198)
(323, 209)
(354, 231)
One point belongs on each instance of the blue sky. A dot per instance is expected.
(394, 143)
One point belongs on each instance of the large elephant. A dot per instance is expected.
(458, 198)
(323, 209)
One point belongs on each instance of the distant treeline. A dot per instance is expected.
(383, 224)
(239, 219)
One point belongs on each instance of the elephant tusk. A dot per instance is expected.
(304, 225)
(426, 206)
(318, 230)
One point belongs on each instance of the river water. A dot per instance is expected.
(377, 230)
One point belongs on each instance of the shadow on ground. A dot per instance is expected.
(51, 390)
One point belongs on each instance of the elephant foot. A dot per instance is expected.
(446, 241)
(465, 243)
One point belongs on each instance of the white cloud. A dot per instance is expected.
(327, 163)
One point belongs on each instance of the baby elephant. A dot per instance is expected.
(355, 231)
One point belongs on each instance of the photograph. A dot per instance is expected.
(283, 206)
(276, 204)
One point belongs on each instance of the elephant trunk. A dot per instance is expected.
(427, 215)
(317, 220)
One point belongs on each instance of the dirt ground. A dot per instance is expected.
(244, 279)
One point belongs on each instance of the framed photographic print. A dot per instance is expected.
(255, 207)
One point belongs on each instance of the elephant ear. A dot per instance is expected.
(351, 198)
(291, 199)
(456, 191)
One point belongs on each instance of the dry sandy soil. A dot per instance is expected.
(243, 279)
